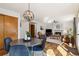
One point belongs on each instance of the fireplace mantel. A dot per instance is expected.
(54, 31)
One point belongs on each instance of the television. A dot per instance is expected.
(48, 32)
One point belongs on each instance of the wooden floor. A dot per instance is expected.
(48, 45)
(2, 52)
(52, 46)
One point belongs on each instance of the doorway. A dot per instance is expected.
(32, 30)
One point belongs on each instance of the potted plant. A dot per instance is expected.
(71, 36)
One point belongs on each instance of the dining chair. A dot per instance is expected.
(40, 46)
(7, 42)
(18, 50)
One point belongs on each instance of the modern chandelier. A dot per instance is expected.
(28, 14)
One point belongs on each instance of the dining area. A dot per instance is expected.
(20, 47)
(12, 44)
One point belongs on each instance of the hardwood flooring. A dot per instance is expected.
(52, 46)
(2, 52)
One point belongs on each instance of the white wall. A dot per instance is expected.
(38, 27)
(24, 27)
(39, 19)
(77, 36)
(12, 13)
(67, 25)
(64, 26)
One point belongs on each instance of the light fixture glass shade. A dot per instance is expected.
(28, 15)
(48, 19)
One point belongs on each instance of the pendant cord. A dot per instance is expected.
(28, 6)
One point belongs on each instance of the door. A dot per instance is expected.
(32, 30)
(1, 31)
(8, 28)
(2, 52)
(11, 27)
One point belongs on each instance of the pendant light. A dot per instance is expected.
(28, 14)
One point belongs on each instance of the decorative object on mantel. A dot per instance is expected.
(28, 14)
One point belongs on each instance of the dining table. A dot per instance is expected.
(27, 44)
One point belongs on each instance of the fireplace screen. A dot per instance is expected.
(57, 33)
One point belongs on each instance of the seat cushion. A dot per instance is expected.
(19, 50)
(37, 48)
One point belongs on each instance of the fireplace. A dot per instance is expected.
(57, 33)
(48, 32)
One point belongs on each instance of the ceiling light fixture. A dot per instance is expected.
(28, 14)
(48, 20)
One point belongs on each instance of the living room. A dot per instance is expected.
(58, 22)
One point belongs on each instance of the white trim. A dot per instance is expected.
(19, 20)
(8, 12)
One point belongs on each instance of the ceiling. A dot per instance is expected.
(58, 11)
